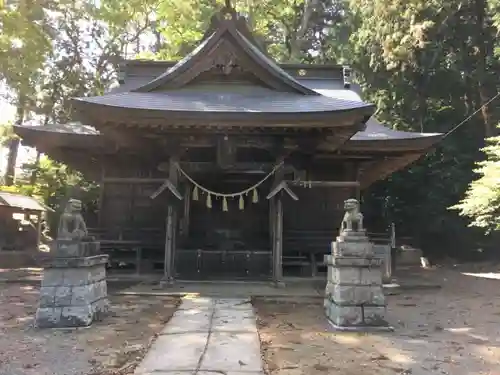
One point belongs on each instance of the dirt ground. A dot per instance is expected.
(111, 347)
(453, 330)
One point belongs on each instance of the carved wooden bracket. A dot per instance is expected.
(282, 186)
(378, 170)
(167, 185)
(308, 144)
(121, 138)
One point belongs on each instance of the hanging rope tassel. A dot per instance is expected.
(241, 203)
(209, 201)
(255, 196)
(224, 204)
(195, 193)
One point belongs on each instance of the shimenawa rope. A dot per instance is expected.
(255, 197)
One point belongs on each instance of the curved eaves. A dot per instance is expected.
(378, 137)
(73, 135)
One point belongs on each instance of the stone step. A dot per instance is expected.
(207, 336)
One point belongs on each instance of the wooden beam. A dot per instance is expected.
(240, 167)
(121, 138)
(325, 183)
(341, 156)
(237, 167)
(132, 180)
(226, 152)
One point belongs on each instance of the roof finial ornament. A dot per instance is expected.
(229, 12)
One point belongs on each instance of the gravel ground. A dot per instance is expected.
(113, 346)
(454, 330)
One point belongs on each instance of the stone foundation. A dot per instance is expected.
(354, 298)
(74, 290)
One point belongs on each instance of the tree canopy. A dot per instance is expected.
(427, 65)
(482, 200)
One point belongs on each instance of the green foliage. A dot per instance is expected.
(482, 200)
(25, 42)
(290, 30)
(61, 49)
(55, 183)
(6, 134)
(426, 65)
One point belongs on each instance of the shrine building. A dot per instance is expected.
(226, 164)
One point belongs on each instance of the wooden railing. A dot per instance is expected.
(149, 235)
(127, 245)
(306, 249)
(223, 264)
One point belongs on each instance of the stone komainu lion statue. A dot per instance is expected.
(71, 224)
(352, 216)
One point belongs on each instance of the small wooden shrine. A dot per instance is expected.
(226, 164)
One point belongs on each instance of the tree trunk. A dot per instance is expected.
(10, 171)
(484, 48)
(295, 42)
(36, 165)
(157, 35)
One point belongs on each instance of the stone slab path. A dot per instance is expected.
(207, 336)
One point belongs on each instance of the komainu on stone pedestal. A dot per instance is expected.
(74, 290)
(354, 298)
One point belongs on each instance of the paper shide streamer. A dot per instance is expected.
(199, 189)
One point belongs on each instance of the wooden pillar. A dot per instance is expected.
(358, 188)
(175, 227)
(272, 215)
(277, 220)
(278, 241)
(187, 212)
(171, 228)
(39, 230)
(101, 196)
(167, 265)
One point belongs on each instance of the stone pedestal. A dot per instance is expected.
(354, 298)
(74, 289)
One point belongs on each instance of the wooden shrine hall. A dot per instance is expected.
(226, 164)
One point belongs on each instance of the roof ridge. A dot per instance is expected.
(227, 46)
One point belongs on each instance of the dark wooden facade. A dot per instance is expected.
(227, 116)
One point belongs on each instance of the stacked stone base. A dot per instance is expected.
(73, 291)
(354, 298)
